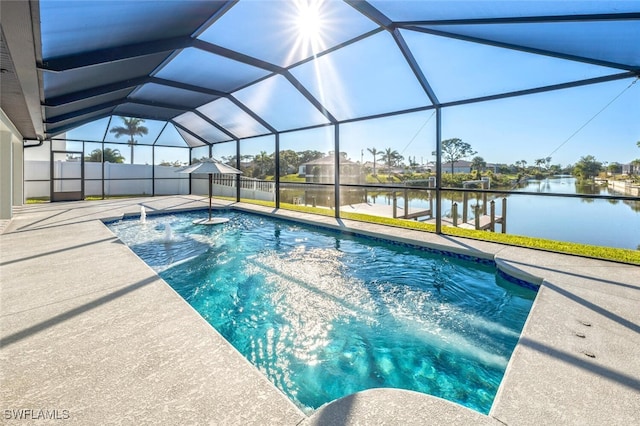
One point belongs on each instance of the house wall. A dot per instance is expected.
(11, 171)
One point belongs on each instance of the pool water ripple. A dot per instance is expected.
(324, 314)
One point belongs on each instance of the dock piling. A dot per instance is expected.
(395, 205)
(454, 214)
(465, 202)
(406, 204)
(504, 215)
(476, 212)
(484, 203)
(493, 216)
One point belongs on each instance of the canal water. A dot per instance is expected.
(610, 223)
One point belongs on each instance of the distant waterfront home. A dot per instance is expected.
(460, 166)
(322, 170)
(368, 166)
(630, 169)
(427, 168)
(492, 167)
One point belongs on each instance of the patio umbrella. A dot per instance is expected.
(210, 166)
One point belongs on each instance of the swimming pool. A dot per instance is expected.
(324, 314)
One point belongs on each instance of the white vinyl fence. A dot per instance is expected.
(136, 179)
(119, 179)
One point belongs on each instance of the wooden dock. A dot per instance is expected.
(481, 221)
(484, 216)
(405, 212)
(483, 225)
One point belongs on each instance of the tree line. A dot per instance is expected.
(263, 164)
(452, 151)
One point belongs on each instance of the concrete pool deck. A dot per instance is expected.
(91, 334)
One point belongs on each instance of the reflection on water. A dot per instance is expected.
(613, 223)
(565, 185)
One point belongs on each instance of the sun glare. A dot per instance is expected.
(309, 23)
(312, 24)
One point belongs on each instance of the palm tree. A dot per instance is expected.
(523, 165)
(390, 157)
(478, 164)
(132, 127)
(375, 153)
(110, 155)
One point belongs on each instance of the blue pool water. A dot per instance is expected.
(324, 314)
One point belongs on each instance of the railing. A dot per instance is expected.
(252, 184)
